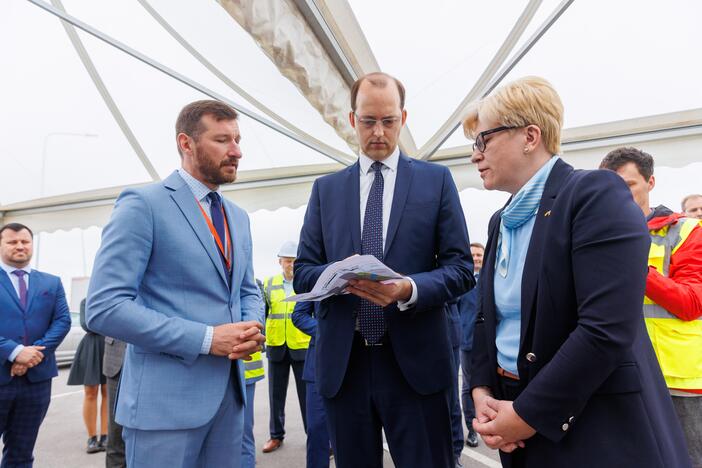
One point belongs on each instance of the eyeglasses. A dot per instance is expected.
(370, 123)
(480, 143)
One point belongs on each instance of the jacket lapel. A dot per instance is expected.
(488, 271)
(532, 264)
(353, 206)
(184, 198)
(7, 284)
(403, 180)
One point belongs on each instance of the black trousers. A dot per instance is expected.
(278, 378)
(375, 396)
(510, 390)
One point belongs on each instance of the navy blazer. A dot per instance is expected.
(303, 318)
(47, 321)
(468, 311)
(593, 388)
(427, 239)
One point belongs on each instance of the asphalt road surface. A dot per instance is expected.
(62, 438)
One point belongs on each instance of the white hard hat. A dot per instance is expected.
(288, 249)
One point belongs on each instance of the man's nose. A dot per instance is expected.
(378, 129)
(235, 150)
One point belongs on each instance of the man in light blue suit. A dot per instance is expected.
(174, 279)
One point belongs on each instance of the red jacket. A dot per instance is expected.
(681, 292)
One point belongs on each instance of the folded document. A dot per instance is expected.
(335, 278)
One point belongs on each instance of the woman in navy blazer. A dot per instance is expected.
(563, 371)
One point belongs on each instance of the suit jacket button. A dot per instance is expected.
(531, 357)
(571, 419)
(565, 427)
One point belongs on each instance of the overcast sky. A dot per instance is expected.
(608, 60)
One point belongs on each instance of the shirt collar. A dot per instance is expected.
(199, 189)
(390, 162)
(9, 269)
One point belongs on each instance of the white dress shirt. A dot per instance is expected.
(367, 176)
(14, 279)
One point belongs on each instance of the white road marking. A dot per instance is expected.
(66, 394)
(477, 456)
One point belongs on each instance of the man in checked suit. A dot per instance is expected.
(34, 320)
(174, 279)
(384, 359)
(112, 368)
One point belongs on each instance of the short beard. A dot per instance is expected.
(210, 171)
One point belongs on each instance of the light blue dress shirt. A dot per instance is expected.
(200, 191)
(14, 279)
(508, 288)
(288, 287)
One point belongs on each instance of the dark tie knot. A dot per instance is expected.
(19, 273)
(377, 166)
(214, 199)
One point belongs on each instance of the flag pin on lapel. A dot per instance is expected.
(548, 213)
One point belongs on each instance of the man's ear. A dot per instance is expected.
(404, 116)
(352, 119)
(651, 182)
(184, 143)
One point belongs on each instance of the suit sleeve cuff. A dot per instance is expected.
(207, 341)
(18, 349)
(404, 305)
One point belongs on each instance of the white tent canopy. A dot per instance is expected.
(92, 88)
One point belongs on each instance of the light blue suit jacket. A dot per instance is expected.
(157, 283)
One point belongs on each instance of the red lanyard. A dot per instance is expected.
(227, 258)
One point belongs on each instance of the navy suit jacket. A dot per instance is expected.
(593, 388)
(303, 318)
(468, 311)
(47, 322)
(427, 239)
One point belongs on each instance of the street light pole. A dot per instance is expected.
(45, 148)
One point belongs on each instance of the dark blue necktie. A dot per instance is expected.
(371, 321)
(216, 213)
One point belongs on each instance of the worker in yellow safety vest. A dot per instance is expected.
(672, 306)
(286, 346)
(253, 372)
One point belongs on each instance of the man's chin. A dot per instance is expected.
(226, 179)
(377, 153)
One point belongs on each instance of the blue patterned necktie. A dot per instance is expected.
(218, 222)
(371, 321)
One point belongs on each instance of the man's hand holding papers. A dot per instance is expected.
(362, 275)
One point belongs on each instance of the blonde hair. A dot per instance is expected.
(528, 101)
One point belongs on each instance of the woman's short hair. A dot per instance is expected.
(528, 101)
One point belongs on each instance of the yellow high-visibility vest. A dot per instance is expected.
(253, 369)
(678, 343)
(279, 327)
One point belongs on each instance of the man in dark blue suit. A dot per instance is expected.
(468, 311)
(35, 319)
(384, 357)
(304, 319)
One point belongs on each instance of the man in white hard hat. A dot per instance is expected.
(286, 346)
